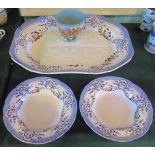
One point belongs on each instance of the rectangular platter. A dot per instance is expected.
(104, 46)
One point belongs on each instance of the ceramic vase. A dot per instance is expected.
(150, 44)
(148, 16)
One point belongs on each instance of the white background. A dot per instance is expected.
(77, 3)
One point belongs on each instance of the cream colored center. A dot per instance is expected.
(41, 111)
(91, 49)
(114, 109)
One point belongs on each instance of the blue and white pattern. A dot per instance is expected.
(150, 44)
(15, 99)
(143, 116)
(148, 16)
(32, 31)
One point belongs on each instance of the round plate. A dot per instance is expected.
(15, 99)
(142, 118)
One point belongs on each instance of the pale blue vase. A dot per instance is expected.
(70, 32)
(150, 44)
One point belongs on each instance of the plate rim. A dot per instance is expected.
(124, 61)
(48, 139)
(112, 138)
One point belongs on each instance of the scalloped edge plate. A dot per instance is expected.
(15, 125)
(92, 21)
(144, 112)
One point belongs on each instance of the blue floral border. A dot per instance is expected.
(43, 18)
(49, 139)
(96, 130)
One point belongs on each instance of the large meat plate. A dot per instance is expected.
(104, 46)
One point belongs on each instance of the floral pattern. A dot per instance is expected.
(13, 105)
(143, 116)
(33, 31)
(70, 33)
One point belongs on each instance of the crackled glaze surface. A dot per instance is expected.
(108, 42)
(15, 99)
(142, 118)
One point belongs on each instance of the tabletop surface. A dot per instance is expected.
(140, 70)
